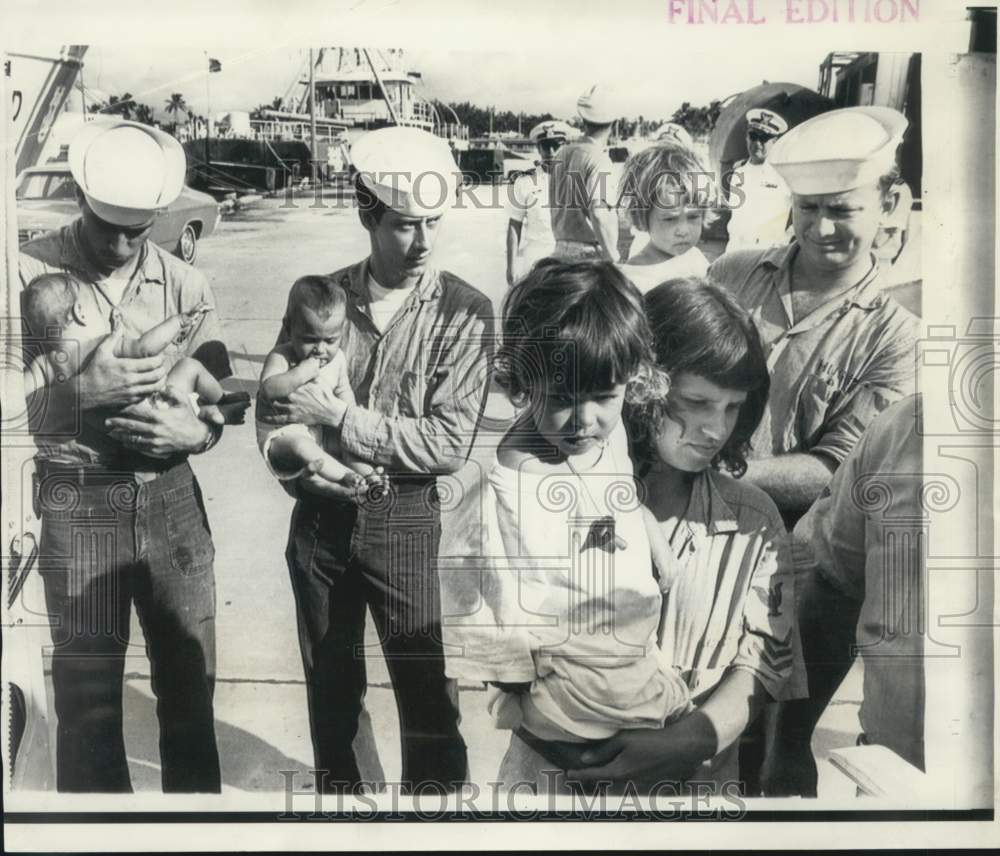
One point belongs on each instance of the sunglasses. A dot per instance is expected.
(759, 136)
(550, 145)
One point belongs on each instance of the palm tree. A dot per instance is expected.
(144, 114)
(116, 105)
(176, 104)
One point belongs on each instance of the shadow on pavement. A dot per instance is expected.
(248, 763)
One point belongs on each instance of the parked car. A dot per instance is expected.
(46, 200)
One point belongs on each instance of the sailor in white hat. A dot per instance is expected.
(840, 350)
(100, 430)
(529, 226)
(759, 198)
(582, 197)
(417, 341)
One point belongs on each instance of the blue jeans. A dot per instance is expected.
(383, 558)
(108, 542)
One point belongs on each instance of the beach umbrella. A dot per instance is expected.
(794, 103)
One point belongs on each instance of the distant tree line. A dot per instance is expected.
(698, 121)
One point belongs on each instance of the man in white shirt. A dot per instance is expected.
(760, 200)
(529, 227)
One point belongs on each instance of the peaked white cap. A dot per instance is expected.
(595, 106)
(839, 150)
(408, 169)
(126, 170)
(767, 121)
(551, 129)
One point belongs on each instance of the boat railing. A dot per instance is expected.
(264, 129)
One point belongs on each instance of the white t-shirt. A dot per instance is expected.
(647, 277)
(760, 220)
(385, 302)
(528, 204)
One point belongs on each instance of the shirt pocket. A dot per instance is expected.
(817, 396)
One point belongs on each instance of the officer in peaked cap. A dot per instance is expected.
(759, 199)
(582, 197)
(529, 226)
(840, 350)
(417, 341)
(100, 431)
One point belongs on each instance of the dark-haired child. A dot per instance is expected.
(729, 610)
(577, 596)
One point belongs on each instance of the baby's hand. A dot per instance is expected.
(310, 367)
(192, 317)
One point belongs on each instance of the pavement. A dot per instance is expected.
(260, 707)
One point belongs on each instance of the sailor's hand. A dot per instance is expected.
(161, 432)
(109, 381)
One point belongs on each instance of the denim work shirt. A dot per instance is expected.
(832, 371)
(161, 285)
(421, 383)
(731, 604)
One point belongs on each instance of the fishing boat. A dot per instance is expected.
(338, 94)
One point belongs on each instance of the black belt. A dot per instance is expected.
(83, 475)
(562, 753)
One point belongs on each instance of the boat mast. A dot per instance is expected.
(378, 80)
(312, 115)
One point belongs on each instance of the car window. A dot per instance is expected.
(32, 186)
(46, 185)
(60, 187)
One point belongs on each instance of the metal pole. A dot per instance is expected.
(385, 94)
(208, 120)
(312, 116)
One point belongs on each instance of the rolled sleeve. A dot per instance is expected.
(769, 647)
(440, 441)
(518, 201)
(890, 376)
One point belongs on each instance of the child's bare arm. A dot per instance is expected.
(277, 380)
(155, 341)
(342, 389)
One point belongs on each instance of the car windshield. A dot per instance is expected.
(46, 185)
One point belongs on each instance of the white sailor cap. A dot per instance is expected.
(551, 129)
(595, 106)
(766, 121)
(408, 169)
(839, 150)
(126, 170)
(671, 132)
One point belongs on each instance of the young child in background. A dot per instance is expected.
(53, 307)
(665, 190)
(575, 594)
(314, 324)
